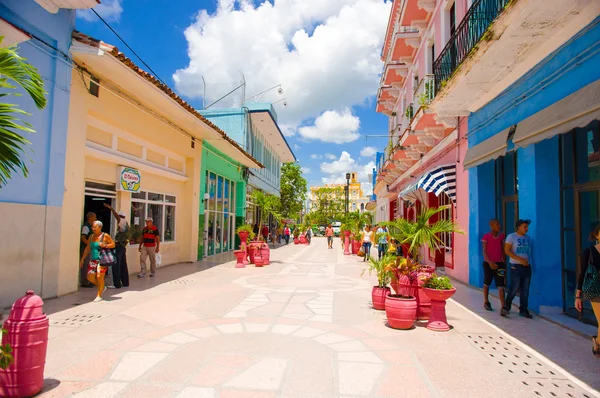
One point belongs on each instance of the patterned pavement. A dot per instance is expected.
(300, 327)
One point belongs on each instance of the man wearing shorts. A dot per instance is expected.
(329, 234)
(493, 265)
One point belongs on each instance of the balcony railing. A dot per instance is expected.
(470, 31)
(425, 91)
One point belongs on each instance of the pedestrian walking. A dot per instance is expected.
(588, 284)
(149, 246)
(265, 232)
(308, 234)
(279, 233)
(286, 234)
(86, 232)
(367, 240)
(494, 268)
(120, 271)
(98, 260)
(518, 249)
(329, 234)
(382, 242)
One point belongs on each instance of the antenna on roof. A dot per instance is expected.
(204, 94)
(243, 88)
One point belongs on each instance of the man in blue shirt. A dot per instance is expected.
(518, 250)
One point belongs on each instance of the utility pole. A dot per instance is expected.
(347, 191)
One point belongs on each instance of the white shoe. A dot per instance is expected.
(111, 287)
(97, 299)
(142, 275)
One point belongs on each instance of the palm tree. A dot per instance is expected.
(422, 232)
(12, 144)
(268, 204)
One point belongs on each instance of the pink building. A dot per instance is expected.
(422, 164)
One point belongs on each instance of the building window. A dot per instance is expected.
(160, 207)
(444, 200)
(94, 86)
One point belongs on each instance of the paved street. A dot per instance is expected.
(300, 327)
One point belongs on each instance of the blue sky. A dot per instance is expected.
(325, 54)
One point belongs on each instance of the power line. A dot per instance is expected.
(130, 49)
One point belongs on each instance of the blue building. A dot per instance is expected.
(31, 207)
(534, 153)
(254, 127)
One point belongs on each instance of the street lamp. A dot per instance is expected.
(347, 191)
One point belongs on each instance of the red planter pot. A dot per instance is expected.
(239, 256)
(378, 295)
(296, 241)
(401, 312)
(423, 301)
(251, 252)
(347, 234)
(437, 319)
(355, 246)
(244, 237)
(303, 239)
(265, 253)
(258, 261)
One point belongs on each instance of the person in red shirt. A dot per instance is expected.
(329, 234)
(149, 246)
(265, 232)
(494, 267)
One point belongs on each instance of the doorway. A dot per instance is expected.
(510, 212)
(96, 196)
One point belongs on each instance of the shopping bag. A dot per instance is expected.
(158, 259)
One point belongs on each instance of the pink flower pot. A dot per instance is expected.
(303, 239)
(244, 237)
(240, 256)
(378, 295)
(355, 246)
(437, 318)
(265, 253)
(251, 253)
(296, 241)
(401, 312)
(258, 261)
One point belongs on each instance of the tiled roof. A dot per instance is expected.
(114, 51)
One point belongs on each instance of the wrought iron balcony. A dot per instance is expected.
(471, 30)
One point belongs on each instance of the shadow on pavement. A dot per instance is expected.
(570, 351)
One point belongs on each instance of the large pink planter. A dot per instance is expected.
(378, 295)
(243, 238)
(303, 239)
(27, 327)
(240, 256)
(400, 312)
(347, 243)
(265, 253)
(437, 319)
(355, 246)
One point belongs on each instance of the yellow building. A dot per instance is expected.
(355, 197)
(134, 144)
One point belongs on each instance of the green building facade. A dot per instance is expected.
(222, 202)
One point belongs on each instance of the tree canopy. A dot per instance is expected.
(328, 204)
(293, 190)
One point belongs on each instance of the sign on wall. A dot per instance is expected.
(129, 179)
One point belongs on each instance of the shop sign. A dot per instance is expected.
(129, 179)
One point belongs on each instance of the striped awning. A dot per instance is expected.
(413, 193)
(441, 179)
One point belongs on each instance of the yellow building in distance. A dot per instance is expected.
(356, 199)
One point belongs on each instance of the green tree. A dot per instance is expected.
(268, 205)
(14, 68)
(293, 190)
(328, 204)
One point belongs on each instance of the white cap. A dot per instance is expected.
(148, 218)
(122, 214)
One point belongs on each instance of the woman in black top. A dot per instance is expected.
(590, 258)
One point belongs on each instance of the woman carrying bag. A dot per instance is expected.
(102, 256)
(588, 284)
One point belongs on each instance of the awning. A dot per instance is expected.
(412, 193)
(490, 149)
(577, 110)
(441, 179)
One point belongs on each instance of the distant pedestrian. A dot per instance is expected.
(309, 234)
(329, 234)
(367, 241)
(382, 242)
(265, 233)
(86, 232)
(494, 268)
(286, 234)
(120, 272)
(279, 233)
(588, 284)
(149, 246)
(518, 248)
(96, 267)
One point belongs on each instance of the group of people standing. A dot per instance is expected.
(517, 247)
(99, 251)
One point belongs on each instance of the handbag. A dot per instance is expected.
(591, 282)
(107, 256)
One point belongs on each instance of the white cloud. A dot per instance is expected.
(368, 152)
(110, 10)
(305, 170)
(325, 54)
(316, 156)
(332, 126)
(330, 156)
(337, 169)
(296, 147)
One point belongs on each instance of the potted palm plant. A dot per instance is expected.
(417, 235)
(438, 289)
(268, 205)
(245, 232)
(401, 307)
(381, 290)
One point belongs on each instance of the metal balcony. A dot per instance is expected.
(470, 31)
(424, 92)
